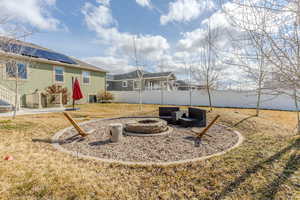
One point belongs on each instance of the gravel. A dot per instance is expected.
(178, 145)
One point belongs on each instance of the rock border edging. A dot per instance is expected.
(111, 161)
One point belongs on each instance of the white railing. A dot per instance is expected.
(33, 100)
(8, 96)
(37, 100)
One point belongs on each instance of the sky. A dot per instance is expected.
(165, 33)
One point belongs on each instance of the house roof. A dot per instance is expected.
(135, 75)
(182, 83)
(16, 47)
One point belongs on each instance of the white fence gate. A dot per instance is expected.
(231, 99)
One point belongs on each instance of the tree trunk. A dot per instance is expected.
(16, 96)
(297, 110)
(209, 99)
(258, 104)
(298, 124)
(190, 84)
(140, 95)
(258, 100)
(162, 93)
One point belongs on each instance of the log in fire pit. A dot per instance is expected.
(147, 126)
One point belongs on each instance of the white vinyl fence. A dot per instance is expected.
(232, 99)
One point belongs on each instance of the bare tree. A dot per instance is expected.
(187, 63)
(284, 53)
(140, 73)
(249, 45)
(207, 70)
(282, 37)
(162, 66)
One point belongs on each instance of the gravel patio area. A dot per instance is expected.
(176, 146)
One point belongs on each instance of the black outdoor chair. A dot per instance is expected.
(177, 115)
(196, 118)
(166, 113)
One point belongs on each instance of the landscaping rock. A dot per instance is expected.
(177, 145)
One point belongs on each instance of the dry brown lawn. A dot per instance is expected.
(265, 166)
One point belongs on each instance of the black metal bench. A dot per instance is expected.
(166, 113)
(196, 118)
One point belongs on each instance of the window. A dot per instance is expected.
(59, 74)
(124, 83)
(136, 84)
(12, 67)
(86, 77)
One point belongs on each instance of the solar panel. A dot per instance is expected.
(37, 53)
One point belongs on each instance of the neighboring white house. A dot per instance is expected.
(150, 81)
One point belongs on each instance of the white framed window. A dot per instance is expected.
(136, 85)
(86, 77)
(59, 74)
(14, 68)
(124, 83)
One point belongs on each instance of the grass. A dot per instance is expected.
(12, 125)
(266, 166)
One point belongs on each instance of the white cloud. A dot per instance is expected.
(99, 19)
(104, 2)
(97, 16)
(111, 64)
(192, 40)
(144, 3)
(185, 10)
(34, 12)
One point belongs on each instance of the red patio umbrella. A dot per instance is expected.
(77, 94)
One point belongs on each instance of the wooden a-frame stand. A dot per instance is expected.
(81, 132)
(199, 135)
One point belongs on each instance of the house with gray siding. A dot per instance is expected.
(132, 81)
(184, 85)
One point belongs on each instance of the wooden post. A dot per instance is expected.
(39, 100)
(200, 135)
(72, 92)
(76, 126)
(61, 100)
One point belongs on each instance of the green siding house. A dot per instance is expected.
(39, 68)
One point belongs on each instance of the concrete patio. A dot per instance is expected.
(29, 111)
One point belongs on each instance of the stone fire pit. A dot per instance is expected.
(177, 144)
(147, 126)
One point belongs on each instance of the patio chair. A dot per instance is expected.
(165, 113)
(196, 118)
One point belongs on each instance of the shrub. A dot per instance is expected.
(105, 96)
(55, 89)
